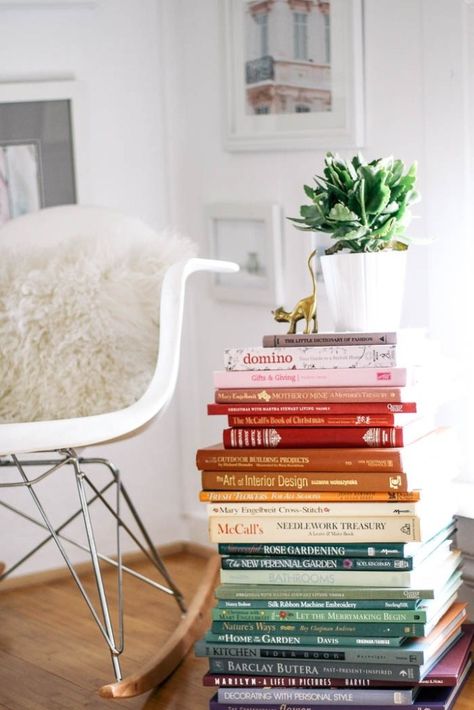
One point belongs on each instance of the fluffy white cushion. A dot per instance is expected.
(79, 316)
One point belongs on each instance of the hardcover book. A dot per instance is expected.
(449, 562)
(309, 481)
(275, 529)
(424, 452)
(314, 437)
(446, 672)
(320, 420)
(332, 696)
(435, 590)
(427, 614)
(427, 699)
(416, 652)
(276, 393)
(303, 497)
(337, 339)
(315, 409)
(344, 377)
(410, 550)
(325, 356)
(241, 665)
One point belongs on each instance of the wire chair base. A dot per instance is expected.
(88, 494)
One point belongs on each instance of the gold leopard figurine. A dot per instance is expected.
(304, 309)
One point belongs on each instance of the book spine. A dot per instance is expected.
(293, 529)
(311, 481)
(247, 681)
(284, 628)
(347, 377)
(321, 460)
(323, 409)
(298, 497)
(337, 550)
(343, 654)
(318, 510)
(302, 358)
(214, 704)
(325, 563)
(313, 420)
(305, 395)
(366, 617)
(332, 339)
(327, 669)
(314, 696)
(312, 437)
(289, 592)
(340, 578)
(302, 640)
(288, 606)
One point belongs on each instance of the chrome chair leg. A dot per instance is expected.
(152, 552)
(71, 458)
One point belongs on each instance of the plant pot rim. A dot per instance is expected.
(370, 254)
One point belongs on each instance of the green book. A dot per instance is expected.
(319, 604)
(304, 640)
(281, 591)
(353, 549)
(362, 564)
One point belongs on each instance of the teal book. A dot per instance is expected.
(303, 640)
(317, 604)
(288, 628)
(401, 550)
(362, 564)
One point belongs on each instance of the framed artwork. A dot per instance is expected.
(39, 157)
(293, 74)
(250, 235)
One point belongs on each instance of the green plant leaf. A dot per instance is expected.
(341, 213)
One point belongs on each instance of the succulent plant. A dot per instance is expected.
(363, 206)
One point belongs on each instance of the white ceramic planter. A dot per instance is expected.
(365, 291)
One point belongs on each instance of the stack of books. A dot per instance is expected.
(329, 498)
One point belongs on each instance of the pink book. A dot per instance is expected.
(343, 377)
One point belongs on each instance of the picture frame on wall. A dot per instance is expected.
(251, 236)
(40, 159)
(293, 74)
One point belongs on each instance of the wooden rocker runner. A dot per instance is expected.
(61, 442)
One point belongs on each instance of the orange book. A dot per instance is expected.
(307, 497)
(309, 481)
(419, 456)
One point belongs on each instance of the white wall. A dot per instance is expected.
(113, 47)
(414, 94)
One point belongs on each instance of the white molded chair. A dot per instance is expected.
(66, 437)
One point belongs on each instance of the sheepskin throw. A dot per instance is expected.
(79, 317)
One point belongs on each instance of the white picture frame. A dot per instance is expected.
(46, 116)
(250, 235)
(333, 116)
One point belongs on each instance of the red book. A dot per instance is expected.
(314, 437)
(345, 408)
(308, 395)
(429, 453)
(318, 420)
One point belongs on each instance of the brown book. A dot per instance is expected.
(233, 480)
(428, 452)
